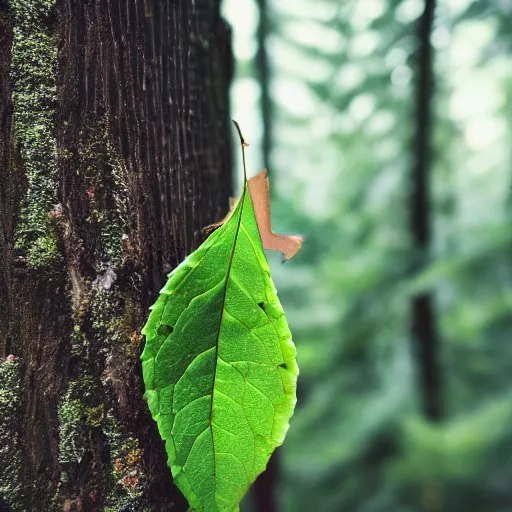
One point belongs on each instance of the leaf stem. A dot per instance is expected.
(244, 145)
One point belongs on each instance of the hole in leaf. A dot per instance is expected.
(261, 305)
(164, 330)
(284, 365)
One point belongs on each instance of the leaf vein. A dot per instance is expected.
(191, 362)
(176, 412)
(183, 312)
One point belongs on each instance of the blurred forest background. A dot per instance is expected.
(387, 127)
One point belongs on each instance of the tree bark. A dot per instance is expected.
(114, 153)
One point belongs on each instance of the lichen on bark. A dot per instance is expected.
(105, 178)
(128, 477)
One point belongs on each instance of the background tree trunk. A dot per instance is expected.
(265, 487)
(114, 152)
(424, 329)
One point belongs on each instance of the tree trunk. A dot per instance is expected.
(263, 73)
(424, 330)
(265, 487)
(114, 152)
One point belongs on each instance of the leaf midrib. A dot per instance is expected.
(226, 282)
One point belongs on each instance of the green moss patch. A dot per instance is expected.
(11, 488)
(33, 66)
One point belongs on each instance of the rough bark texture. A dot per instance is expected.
(114, 152)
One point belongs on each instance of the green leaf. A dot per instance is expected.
(219, 365)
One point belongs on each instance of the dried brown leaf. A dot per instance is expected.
(288, 245)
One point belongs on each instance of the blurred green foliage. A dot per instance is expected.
(343, 89)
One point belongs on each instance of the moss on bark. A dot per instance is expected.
(11, 489)
(33, 64)
(105, 178)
